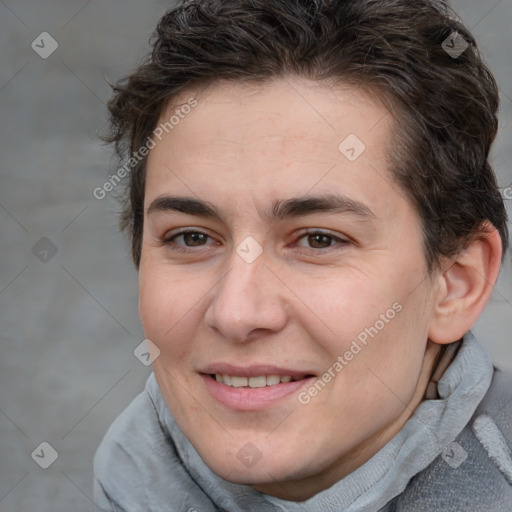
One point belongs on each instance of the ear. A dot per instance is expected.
(465, 285)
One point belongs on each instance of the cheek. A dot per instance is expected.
(377, 327)
(168, 308)
(384, 374)
(336, 309)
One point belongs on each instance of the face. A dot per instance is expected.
(283, 280)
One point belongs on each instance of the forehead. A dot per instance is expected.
(288, 135)
(292, 109)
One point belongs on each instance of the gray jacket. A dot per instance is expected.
(452, 455)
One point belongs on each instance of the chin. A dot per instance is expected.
(248, 467)
(249, 477)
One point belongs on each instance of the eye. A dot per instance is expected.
(312, 240)
(189, 239)
(320, 240)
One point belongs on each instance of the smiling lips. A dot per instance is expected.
(256, 376)
(251, 388)
(259, 381)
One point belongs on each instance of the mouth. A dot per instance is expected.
(252, 388)
(258, 381)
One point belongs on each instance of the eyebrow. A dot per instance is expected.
(281, 208)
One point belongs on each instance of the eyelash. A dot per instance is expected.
(185, 249)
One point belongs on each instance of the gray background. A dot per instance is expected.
(69, 325)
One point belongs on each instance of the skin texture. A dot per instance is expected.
(303, 301)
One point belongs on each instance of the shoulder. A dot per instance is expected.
(497, 403)
(492, 423)
(119, 460)
(136, 466)
(474, 472)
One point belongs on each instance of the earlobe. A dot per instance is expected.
(465, 286)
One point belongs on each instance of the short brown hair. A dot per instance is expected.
(444, 105)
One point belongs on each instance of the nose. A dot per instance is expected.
(248, 301)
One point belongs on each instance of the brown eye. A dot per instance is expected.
(187, 239)
(320, 240)
(193, 239)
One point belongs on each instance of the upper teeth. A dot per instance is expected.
(253, 382)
